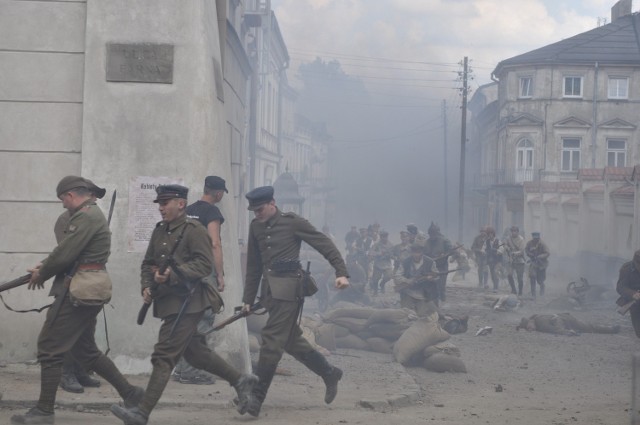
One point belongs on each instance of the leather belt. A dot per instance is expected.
(91, 266)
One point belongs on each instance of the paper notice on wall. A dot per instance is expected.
(143, 212)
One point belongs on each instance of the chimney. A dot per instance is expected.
(620, 9)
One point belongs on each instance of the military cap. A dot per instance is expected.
(171, 191)
(412, 228)
(416, 247)
(514, 229)
(69, 183)
(535, 234)
(259, 196)
(97, 191)
(384, 233)
(404, 232)
(215, 183)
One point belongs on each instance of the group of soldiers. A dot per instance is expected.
(418, 265)
(496, 257)
(182, 277)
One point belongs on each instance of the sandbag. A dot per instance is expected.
(352, 341)
(355, 312)
(339, 331)
(380, 345)
(421, 334)
(390, 315)
(255, 322)
(325, 336)
(389, 331)
(443, 347)
(354, 325)
(441, 362)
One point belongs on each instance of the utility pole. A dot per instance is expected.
(446, 184)
(463, 142)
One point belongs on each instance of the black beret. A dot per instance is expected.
(70, 182)
(171, 191)
(98, 191)
(258, 196)
(215, 183)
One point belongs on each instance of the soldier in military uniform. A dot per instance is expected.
(69, 327)
(381, 253)
(538, 254)
(514, 248)
(438, 248)
(351, 237)
(416, 280)
(493, 256)
(628, 287)
(74, 377)
(174, 276)
(479, 251)
(273, 250)
(401, 251)
(563, 324)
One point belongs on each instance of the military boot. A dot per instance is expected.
(34, 416)
(69, 382)
(132, 416)
(533, 289)
(512, 284)
(319, 365)
(86, 380)
(259, 393)
(134, 397)
(542, 289)
(244, 388)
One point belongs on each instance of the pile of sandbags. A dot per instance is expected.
(363, 328)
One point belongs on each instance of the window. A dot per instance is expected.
(570, 155)
(526, 87)
(524, 161)
(618, 88)
(572, 86)
(616, 153)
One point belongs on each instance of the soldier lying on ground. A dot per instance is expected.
(563, 324)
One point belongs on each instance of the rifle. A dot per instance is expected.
(162, 268)
(428, 278)
(237, 315)
(22, 280)
(448, 253)
(624, 306)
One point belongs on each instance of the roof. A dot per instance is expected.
(614, 43)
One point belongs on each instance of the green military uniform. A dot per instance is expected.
(628, 284)
(381, 252)
(278, 239)
(538, 254)
(193, 263)
(437, 246)
(565, 324)
(417, 292)
(67, 327)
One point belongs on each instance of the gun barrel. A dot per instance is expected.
(22, 280)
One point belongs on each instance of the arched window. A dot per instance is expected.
(524, 161)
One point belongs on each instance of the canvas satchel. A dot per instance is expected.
(90, 288)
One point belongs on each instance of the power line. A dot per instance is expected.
(373, 58)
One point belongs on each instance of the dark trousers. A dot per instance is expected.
(72, 331)
(635, 318)
(188, 342)
(493, 269)
(537, 275)
(519, 269)
(483, 273)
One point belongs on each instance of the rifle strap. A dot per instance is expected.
(35, 310)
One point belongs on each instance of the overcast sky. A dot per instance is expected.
(407, 53)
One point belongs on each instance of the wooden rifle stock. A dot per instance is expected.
(237, 315)
(22, 280)
(142, 314)
(623, 309)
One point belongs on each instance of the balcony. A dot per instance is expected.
(513, 177)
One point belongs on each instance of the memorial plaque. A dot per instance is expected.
(140, 63)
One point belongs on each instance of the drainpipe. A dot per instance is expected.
(594, 128)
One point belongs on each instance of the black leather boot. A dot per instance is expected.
(319, 365)
(265, 375)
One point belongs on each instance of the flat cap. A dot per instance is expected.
(97, 191)
(412, 228)
(70, 182)
(415, 247)
(171, 191)
(258, 196)
(535, 234)
(216, 183)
